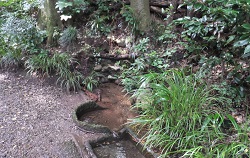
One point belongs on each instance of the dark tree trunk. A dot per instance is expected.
(142, 13)
(49, 19)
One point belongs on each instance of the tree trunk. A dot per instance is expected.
(142, 13)
(49, 19)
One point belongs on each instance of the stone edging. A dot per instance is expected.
(84, 108)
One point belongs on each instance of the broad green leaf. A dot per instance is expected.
(248, 79)
(246, 51)
(246, 26)
(241, 43)
(230, 39)
(236, 126)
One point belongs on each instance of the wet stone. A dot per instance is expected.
(114, 149)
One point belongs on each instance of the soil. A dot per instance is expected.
(36, 116)
(116, 106)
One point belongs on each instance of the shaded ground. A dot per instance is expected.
(35, 118)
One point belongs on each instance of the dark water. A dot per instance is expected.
(117, 149)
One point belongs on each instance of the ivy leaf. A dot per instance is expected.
(246, 51)
(241, 43)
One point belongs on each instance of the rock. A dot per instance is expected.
(98, 68)
(111, 77)
(115, 68)
(104, 80)
(105, 68)
(118, 81)
(121, 42)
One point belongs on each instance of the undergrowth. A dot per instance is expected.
(183, 118)
(68, 38)
(59, 63)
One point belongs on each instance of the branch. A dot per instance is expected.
(116, 57)
(157, 10)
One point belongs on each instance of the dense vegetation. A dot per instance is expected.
(190, 78)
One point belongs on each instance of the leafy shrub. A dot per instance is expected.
(21, 33)
(68, 38)
(130, 76)
(183, 119)
(133, 23)
(40, 63)
(91, 81)
(100, 18)
(76, 6)
(9, 56)
(220, 33)
(11, 59)
(70, 80)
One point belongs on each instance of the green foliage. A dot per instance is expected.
(21, 33)
(20, 8)
(39, 63)
(236, 95)
(143, 45)
(68, 38)
(130, 75)
(70, 80)
(58, 63)
(244, 40)
(219, 37)
(71, 7)
(11, 59)
(182, 118)
(10, 5)
(101, 17)
(19, 37)
(127, 13)
(157, 62)
(91, 81)
(98, 25)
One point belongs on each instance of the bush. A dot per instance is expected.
(21, 33)
(19, 37)
(183, 119)
(220, 37)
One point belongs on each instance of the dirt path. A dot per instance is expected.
(35, 118)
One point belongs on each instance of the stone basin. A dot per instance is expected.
(114, 144)
(85, 125)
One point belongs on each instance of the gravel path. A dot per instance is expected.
(35, 118)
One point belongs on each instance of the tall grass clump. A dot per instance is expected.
(58, 63)
(183, 119)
